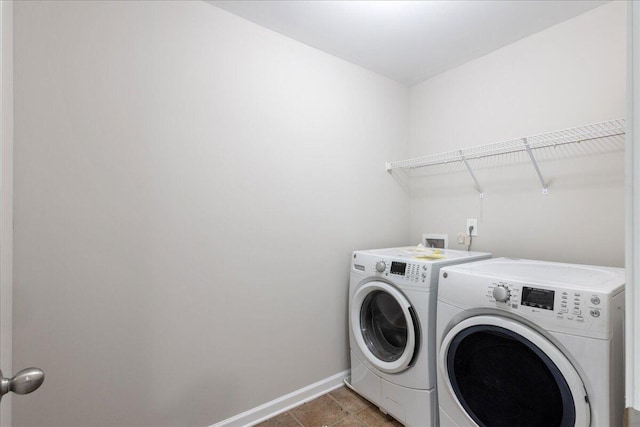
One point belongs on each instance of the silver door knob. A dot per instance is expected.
(24, 382)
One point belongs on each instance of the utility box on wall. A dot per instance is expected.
(439, 241)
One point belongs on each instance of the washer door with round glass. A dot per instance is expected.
(504, 374)
(385, 326)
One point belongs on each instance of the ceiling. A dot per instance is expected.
(408, 41)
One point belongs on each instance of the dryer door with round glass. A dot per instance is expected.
(504, 374)
(385, 326)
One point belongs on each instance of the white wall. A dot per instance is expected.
(188, 189)
(569, 75)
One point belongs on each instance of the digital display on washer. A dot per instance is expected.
(538, 298)
(398, 267)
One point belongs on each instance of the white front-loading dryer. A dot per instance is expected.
(392, 300)
(530, 343)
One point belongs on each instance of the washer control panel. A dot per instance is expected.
(398, 270)
(563, 305)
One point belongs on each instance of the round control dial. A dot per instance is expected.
(501, 293)
(381, 266)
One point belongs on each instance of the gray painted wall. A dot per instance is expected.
(188, 190)
(572, 74)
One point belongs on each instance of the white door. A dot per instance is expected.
(6, 138)
(503, 373)
(29, 379)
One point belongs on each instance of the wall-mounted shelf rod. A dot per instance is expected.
(529, 144)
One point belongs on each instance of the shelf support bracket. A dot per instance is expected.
(464, 160)
(535, 165)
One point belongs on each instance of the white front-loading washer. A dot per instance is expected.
(392, 300)
(530, 343)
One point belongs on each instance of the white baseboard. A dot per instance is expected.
(282, 404)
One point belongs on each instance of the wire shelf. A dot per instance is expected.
(529, 144)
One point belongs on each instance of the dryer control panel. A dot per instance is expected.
(570, 298)
(562, 307)
(564, 304)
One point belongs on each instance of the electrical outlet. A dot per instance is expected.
(472, 222)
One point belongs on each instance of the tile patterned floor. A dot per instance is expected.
(338, 408)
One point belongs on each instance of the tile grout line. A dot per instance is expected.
(355, 413)
(342, 408)
(349, 413)
(296, 418)
(359, 418)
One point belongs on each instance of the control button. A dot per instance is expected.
(580, 318)
(424, 267)
(381, 266)
(595, 300)
(594, 313)
(578, 312)
(564, 310)
(424, 275)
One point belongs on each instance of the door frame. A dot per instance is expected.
(6, 198)
(632, 226)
